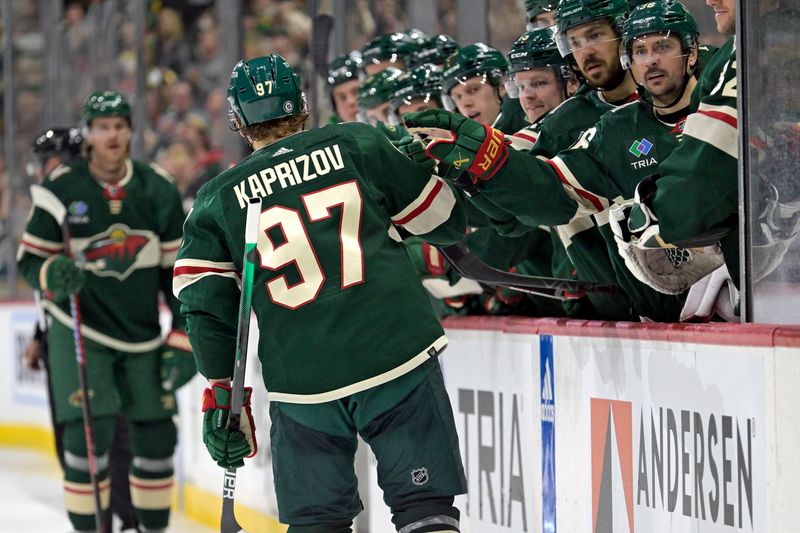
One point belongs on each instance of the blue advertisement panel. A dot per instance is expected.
(548, 434)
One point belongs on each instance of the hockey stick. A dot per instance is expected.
(470, 266)
(83, 382)
(228, 523)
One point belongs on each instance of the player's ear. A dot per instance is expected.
(693, 58)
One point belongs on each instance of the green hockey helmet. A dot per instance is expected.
(418, 36)
(470, 61)
(535, 49)
(534, 8)
(105, 104)
(435, 50)
(573, 13)
(392, 47)
(344, 68)
(264, 88)
(661, 16)
(378, 88)
(421, 83)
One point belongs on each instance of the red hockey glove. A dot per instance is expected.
(227, 448)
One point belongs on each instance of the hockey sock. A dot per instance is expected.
(152, 469)
(78, 494)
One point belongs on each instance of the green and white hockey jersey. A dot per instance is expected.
(601, 169)
(340, 308)
(585, 247)
(128, 239)
(699, 187)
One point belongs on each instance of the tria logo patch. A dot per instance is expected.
(115, 252)
(419, 476)
(644, 154)
(640, 148)
(612, 466)
(77, 212)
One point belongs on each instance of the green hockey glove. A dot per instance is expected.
(177, 364)
(227, 448)
(460, 142)
(414, 149)
(60, 277)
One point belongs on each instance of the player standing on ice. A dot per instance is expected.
(124, 219)
(336, 360)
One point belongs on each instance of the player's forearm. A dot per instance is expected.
(213, 344)
(528, 187)
(29, 266)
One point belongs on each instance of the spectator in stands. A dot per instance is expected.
(172, 50)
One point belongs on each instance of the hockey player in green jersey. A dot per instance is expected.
(343, 86)
(472, 84)
(593, 26)
(608, 160)
(124, 220)
(697, 196)
(336, 360)
(51, 148)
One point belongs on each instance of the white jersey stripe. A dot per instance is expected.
(102, 338)
(418, 201)
(189, 271)
(437, 346)
(429, 210)
(48, 201)
(711, 130)
(588, 203)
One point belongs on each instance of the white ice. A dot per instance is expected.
(31, 499)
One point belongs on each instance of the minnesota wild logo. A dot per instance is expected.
(118, 251)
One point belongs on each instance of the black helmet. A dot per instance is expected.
(63, 143)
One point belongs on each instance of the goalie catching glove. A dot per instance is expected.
(177, 364)
(664, 267)
(468, 145)
(227, 448)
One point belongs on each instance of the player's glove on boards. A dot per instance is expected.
(177, 364)
(60, 277)
(414, 149)
(477, 148)
(228, 448)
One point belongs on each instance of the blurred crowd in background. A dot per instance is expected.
(185, 122)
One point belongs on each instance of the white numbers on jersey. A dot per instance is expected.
(585, 138)
(729, 88)
(298, 249)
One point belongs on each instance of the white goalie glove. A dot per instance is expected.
(664, 267)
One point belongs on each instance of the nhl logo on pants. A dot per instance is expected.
(419, 476)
